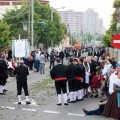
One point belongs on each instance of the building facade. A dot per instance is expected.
(87, 22)
(9, 4)
(73, 20)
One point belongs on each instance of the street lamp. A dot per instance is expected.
(52, 10)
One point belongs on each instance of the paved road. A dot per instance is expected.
(43, 97)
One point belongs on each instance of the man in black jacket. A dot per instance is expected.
(58, 73)
(79, 79)
(71, 73)
(22, 72)
(90, 53)
(3, 73)
(83, 77)
(61, 55)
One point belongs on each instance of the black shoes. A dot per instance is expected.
(4, 90)
(27, 103)
(66, 104)
(91, 96)
(96, 96)
(71, 101)
(19, 103)
(85, 111)
(2, 93)
(59, 104)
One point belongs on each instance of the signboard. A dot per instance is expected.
(116, 41)
(20, 48)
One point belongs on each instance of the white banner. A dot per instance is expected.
(20, 50)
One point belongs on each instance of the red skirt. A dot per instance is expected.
(111, 109)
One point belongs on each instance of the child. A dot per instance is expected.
(86, 85)
(95, 84)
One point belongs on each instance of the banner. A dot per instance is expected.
(19, 46)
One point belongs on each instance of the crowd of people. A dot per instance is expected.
(93, 75)
(96, 74)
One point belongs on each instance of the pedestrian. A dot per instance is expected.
(61, 55)
(86, 85)
(22, 72)
(52, 59)
(95, 84)
(37, 61)
(3, 74)
(58, 73)
(71, 73)
(42, 63)
(79, 80)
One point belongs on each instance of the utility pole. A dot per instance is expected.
(29, 20)
(32, 24)
(52, 22)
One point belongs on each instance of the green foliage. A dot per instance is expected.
(42, 34)
(106, 40)
(4, 35)
(116, 3)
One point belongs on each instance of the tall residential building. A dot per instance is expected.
(90, 22)
(73, 20)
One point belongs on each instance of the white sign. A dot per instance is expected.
(116, 41)
(20, 50)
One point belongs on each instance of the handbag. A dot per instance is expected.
(118, 96)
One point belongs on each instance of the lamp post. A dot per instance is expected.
(52, 10)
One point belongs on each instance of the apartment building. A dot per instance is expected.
(73, 20)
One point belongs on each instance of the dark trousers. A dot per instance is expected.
(20, 85)
(79, 85)
(51, 63)
(61, 85)
(98, 110)
(62, 60)
(37, 65)
(31, 65)
(72, 85)
(26, 61)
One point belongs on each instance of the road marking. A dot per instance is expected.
(116, 41)
(34, 110)
(8, 107)
(54, 112)
(23, 102)
(74, 114)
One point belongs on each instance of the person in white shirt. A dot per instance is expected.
(10, 68)
(86, 85)
(42, 63)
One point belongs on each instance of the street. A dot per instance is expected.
(44, 100)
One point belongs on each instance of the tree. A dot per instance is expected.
(4, 35)
(42, 34)
(107, 38)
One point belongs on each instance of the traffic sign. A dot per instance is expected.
(116, 41)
